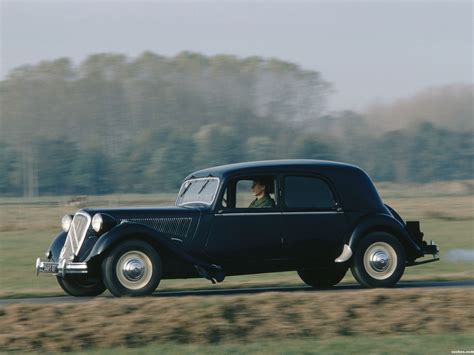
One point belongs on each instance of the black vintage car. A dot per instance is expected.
(319, 218)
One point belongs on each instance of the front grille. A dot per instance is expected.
(75, 237)
(175, 227)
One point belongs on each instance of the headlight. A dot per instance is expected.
(97, 222)
(66, 222)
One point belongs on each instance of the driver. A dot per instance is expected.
(261, 188)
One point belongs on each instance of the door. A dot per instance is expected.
(314, 224)
(244, 234)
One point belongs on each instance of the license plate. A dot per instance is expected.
(51, 267)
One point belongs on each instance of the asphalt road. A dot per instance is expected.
(243, 291)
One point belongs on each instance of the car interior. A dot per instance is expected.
(238, 193)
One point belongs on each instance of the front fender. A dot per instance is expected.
(389, 224)
(125, 231)
(57, 245)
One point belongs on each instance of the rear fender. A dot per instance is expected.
(389, 224)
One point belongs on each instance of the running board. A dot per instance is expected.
(213, 273)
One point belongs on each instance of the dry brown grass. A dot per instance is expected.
(104, 323)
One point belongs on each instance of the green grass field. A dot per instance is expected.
(27, 227)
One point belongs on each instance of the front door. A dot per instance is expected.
(242, 233)
(314, 225)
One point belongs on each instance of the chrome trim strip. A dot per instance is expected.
(247, 214)
(345, 255)
(312, 212)
(274, 213)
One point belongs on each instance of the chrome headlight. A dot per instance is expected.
(97, 222)
(66, 222)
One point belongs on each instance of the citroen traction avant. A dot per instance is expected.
(327, 217)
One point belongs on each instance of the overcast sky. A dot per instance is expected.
(370, 51)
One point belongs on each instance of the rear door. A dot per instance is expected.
(313, 222)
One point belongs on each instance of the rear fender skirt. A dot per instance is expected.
(57, 245)
(127, 231)
(385, 223)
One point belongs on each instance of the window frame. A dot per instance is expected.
(234, 180)
(335, 208)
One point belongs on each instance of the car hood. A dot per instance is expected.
(175, 222)
(132, 213)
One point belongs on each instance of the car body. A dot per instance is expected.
(327, 217)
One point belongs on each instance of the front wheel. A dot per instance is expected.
(132, 268)
(81, 285)
(323, 278)
(379, 260)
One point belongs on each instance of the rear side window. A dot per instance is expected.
(307, 192)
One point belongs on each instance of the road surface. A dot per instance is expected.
(243, 291)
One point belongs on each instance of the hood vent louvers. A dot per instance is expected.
(173, 226)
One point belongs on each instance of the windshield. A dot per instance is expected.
(202, 190)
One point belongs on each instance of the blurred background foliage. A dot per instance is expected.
(117, 124)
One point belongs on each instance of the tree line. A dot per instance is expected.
(115, 124)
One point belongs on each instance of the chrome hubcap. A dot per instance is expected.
(380, 260)
(134, 270)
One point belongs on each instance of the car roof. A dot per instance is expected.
(270, 166)
(354, 186)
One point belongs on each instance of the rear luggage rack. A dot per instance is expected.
(413, 228)
(430, 248)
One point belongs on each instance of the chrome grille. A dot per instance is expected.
(76, 235)
(176, 227)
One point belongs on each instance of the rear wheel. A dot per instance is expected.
(81, 285)
(132, 268)
(323, 278)
(379, 260)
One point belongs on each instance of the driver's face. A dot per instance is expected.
(257, 188)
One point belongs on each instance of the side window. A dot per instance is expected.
(225, 199)
(307, 192)
(243, 194)
(250, 192)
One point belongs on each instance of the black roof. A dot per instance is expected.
(272, 165)
(352, 183)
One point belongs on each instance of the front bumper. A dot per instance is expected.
(62, 268)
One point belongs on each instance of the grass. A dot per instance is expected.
(234, 321)
(390, 344)
(27, 227)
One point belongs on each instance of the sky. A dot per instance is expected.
(371, 52)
